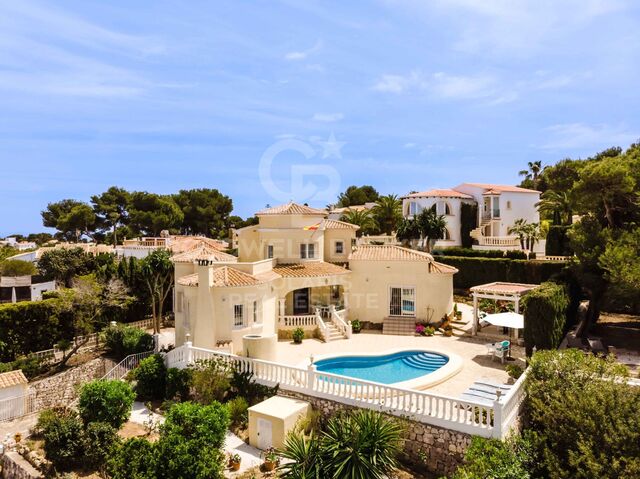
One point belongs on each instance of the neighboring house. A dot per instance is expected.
(499, 206)
(13, 395)
(298, 268)
(141, 247)
(18, 245)
(22, 288)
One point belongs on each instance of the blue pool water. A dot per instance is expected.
(386, 369)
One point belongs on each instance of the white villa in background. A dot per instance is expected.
(499, 206)
(297, 268)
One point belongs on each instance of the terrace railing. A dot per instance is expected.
(17, 407)
(128, 364)
(469, 417)
(297, 321)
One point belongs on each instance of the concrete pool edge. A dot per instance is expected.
(426, 381)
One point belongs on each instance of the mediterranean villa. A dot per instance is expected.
(297, 268)
(498, 207)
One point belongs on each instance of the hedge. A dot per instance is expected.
(545, 314)
(476, 271)
(558, 243)
(31, 326)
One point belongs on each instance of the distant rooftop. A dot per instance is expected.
(291, 209)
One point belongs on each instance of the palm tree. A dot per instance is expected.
(558, 205)
(304, 457)
(432, 227)
(519, 229)
(387, 213)
(532, 172)
(408, 232)
(361, 218)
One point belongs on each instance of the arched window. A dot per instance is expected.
(446, 234)
(441, 208)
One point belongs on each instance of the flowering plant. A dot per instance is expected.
(420, 329)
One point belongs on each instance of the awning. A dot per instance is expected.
(505, 320)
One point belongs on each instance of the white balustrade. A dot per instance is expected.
(337, 318)
(499, 241)
(324, 331)
(452, 413)
(297, 321)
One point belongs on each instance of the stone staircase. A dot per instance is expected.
(477, 232)
(333, 332)
(399, 326)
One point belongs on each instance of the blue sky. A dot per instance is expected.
(269, 101)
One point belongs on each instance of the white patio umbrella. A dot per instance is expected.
(506, 320)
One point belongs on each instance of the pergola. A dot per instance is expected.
(499, 291)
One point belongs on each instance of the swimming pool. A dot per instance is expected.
(385, 368)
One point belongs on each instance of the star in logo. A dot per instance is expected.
(331, 147)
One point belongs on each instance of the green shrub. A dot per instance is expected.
(178, 384)
(243, 385)
(468, 222)
(237, 408)
(356, 326)
(303, 456)
(106, 401)
(135, 458)
(31, 366)
(496, 459)
(191, 440)
(468, 252)
(64, 443)
(121, 341)
(211, 380)
(17, 267)
(545, 314)
(30, 326)
(514, 371)
(151, 378)
(476, 271)
(584, 414)
(298, 335)
(101, 440)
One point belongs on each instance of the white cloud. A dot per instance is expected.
(580, 135)
(410, 145)
(327, 117)
(439, 85)
(303, 54)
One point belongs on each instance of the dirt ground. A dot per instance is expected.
(619, 330)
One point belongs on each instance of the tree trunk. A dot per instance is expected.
(71, 352)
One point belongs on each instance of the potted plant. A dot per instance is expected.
(356, 326)
(420, 329)
(456, 312)
(298, 335)
(271, 459)
(429, 331)
(234, 462)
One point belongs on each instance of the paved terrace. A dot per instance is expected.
(476, 362)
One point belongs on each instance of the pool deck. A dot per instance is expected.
(476, 362)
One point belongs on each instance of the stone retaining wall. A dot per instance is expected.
(435, 449)
(14, 466)
(62, 389)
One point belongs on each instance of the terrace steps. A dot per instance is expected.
(399, 326)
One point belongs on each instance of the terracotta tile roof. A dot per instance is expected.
(291, 209)
(338, 225)
(224, 277)
(203, 251)
(189, 280)
(180, 244)
(439, 193)
(309, 269)
(12, 378)
(500, 287)
(499, 188)
(398, 253)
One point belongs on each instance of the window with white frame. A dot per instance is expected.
(255, 312)
(307, 250)
(442, 208)
(402, 301)
(339, 247)
(414, 208)
(238, 315)
(270, 251)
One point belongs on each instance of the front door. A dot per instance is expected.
(301, 301)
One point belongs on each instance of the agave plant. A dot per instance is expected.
(303, 456)
(361, 444)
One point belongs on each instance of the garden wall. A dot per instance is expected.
(476, 271)
(438, 450)
(14, 466)
(62, 389)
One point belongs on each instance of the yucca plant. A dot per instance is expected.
(304, 454)
(361, 444)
